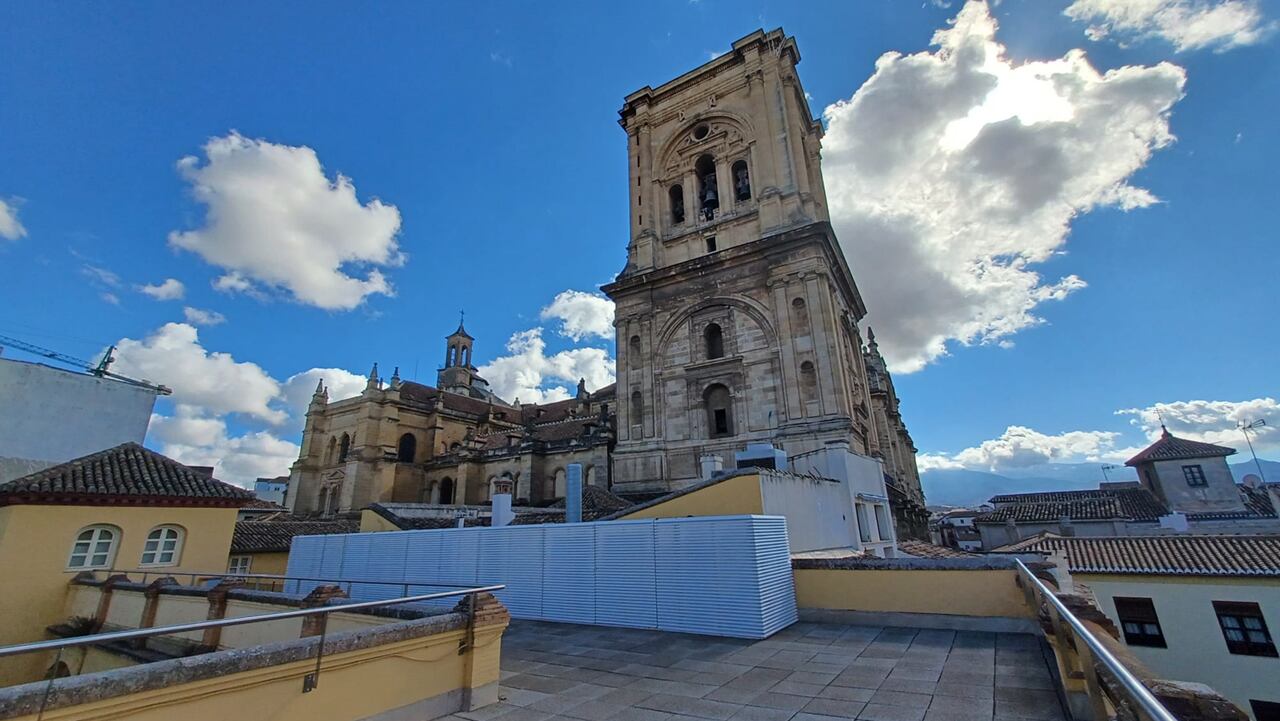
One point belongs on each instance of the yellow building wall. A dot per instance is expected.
(371, 522)
(990, 593)
(735, 496)
(275, 563)
(35, 545)
(352, 685)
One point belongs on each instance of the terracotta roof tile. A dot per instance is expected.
(1169, 448)
(125, 472)
(922, 549)
(1137, 504)
(1084, 509)
(1168, 555)
(272, 536)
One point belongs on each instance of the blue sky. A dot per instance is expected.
(486, 172)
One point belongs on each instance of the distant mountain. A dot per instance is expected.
(963, 487)
(1271, 469)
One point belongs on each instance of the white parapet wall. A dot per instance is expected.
(718, 575)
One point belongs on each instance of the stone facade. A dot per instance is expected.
(405, 442)
(736, 314)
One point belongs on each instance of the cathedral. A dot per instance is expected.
(737, 320)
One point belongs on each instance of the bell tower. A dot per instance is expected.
(736, 313)
(458, 374)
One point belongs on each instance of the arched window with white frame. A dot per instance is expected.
(163, 546)
(94, 547)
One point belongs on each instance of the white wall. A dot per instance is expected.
(1196, 650)
(49, 415)
(862, 478)
(817, 510)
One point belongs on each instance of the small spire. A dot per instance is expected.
(373, 378)
(395, 378)
(871, 337)
(320, 387)
(582, 388)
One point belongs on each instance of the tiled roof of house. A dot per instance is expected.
(1025, 544)
(126, 474)
(1083, 509)
(922, 549)
(273, 536)
(597, 503)
(1138, 504)
(1169, 448)
(1180, 555)
(260, 504)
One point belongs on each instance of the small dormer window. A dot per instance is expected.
(1194, 475)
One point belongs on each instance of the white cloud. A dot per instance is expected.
(170, 289)
(529, 374)
(1019, 447)
(274, 220)
(10, 228)
(1211, 421)
(190, 438)
(952, 173)
(215, 382)
(110, 298)
(197, 316)
(1185, 24)
(296, 392)
(208, 387)
(100, 276)
(581, 315)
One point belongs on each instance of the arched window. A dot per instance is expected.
(799, 317)
(464, 357)
(446, 490)
(407, 449)
(344, 447)
(163, 546)
(633, 352)
(561, 484)
(741, 181)
(708, 193)
(808, 382)
(719, 411)
(331, 451)
(636, 411)
(95, 547)
(675, 195)
(590, 477)
(714, 341)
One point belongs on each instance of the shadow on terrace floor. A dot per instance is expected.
(809, 672)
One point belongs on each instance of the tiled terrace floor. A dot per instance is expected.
(809, 672)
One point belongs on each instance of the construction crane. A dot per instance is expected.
(99, 369)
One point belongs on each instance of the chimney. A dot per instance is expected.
(206, 471)
(573, 494)
(1065, 527)
(501, 514)
(711, 464)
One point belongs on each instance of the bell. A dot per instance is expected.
(711, 194)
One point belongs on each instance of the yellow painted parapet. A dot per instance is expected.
(733, 496)
(423, 668)
(979, 592)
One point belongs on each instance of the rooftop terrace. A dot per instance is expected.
(808, 672)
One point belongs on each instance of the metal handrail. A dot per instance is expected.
(1137, 691)
(61, 643)
(163, 572)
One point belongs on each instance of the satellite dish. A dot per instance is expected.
(1252, 480)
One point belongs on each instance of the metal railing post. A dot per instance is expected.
(312, 680)
(1082, 648)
